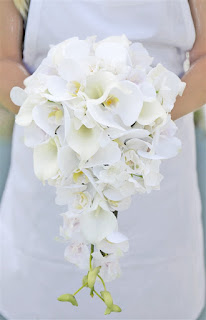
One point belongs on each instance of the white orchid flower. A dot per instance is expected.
(122, 40)
(72, 48)
(112, 53)
(33, 135)
(97, 224)
(163, 147)
(48, 117)
(37, 83)
(120, 106)
(71, 225)
(152, 176)
(58, 89)
(66, 194)
(78, 254)
(80, 112)
(133, 161)
(116, 242)
(108, 155)
(24, 117)
(18, 96)
(167, 84)
(139, 56)
(117, 205)
(110, 268)
(120, 136)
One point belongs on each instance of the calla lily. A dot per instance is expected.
(67, 161)
(84, 141)
(98, 86)
(150, 112)
(45, 160)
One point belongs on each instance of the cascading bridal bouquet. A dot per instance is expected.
(98, 118)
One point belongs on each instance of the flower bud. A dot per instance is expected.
(106, 295)
(107, 311)
(92, 276)
(85, 281)
(116, 308)
(67, 297)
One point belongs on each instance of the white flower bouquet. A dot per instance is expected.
(98, 118)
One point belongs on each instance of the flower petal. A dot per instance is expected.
(107, 155)
(45, 160)
(96, 225)
(150, 112)
(18, 95)
(84, 141)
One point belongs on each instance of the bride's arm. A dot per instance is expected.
(194, 95)
(12, 71)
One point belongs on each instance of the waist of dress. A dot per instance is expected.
(169, 56)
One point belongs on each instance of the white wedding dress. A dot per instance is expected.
(163, 272)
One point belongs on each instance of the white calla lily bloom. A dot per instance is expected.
(45, 160)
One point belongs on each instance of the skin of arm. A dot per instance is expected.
(12, 71)
(194, 95)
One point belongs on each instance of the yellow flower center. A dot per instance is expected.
(74, 87)
(82, 200)
(113, 203)
(77, 175)
(111, 101)
(57, 113)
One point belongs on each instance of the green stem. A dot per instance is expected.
(98, 295)
(80, 289)
(102, 282)
(90, 258)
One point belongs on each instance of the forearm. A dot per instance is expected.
(194, 95)
(12, 73)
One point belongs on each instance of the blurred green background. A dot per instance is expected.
(6, 126)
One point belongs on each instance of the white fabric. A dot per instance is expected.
(163, 272)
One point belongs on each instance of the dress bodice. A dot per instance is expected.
(165, 27)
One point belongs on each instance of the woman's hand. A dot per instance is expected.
(12, 71)
(194, 95)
